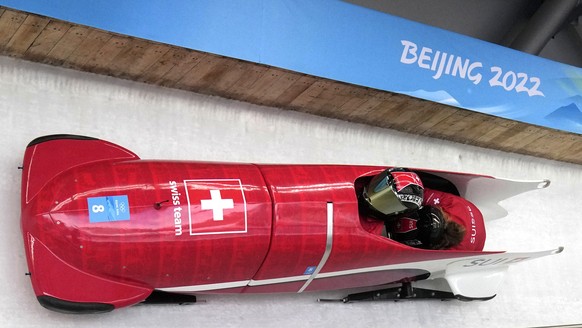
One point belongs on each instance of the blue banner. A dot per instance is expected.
(345, 42)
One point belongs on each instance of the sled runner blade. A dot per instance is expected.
(161, 297)
(404, 292)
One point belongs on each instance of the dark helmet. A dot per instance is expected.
(433, 226)
(394, 191)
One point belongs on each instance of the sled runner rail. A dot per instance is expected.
(480, 276)
(469, 279)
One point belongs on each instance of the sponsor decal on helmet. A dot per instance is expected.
(417, 200)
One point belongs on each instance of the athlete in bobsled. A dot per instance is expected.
(416, 216)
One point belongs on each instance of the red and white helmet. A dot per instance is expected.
(394, 191)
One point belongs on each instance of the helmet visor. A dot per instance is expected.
(382, 197)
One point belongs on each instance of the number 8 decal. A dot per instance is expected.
(98, 208)
(108, 208)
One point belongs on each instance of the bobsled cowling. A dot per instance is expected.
(105, 229)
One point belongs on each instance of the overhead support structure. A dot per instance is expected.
(548, 20)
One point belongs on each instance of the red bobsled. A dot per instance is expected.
(104, 229)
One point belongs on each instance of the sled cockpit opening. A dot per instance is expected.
(396, 191)
(419, 209)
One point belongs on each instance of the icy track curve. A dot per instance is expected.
(157, 122)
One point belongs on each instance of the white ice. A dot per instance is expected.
(157, 122)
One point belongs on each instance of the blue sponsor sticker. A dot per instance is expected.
(309, 270)
(108, 208)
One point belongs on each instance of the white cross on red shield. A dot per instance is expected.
(216, 206)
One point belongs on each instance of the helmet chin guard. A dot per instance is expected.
(394, 191)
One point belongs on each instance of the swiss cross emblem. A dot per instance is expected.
(216, 206)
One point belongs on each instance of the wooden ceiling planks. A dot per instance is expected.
(10, 22)
(26, 33)
(45, 40)
(82, 57)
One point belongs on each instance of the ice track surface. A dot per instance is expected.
(156, 122)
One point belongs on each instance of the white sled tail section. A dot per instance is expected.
(487, 192)
(479, 277)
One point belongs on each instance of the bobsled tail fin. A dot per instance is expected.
(479, 277)
(47, 156)
(486, 192)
